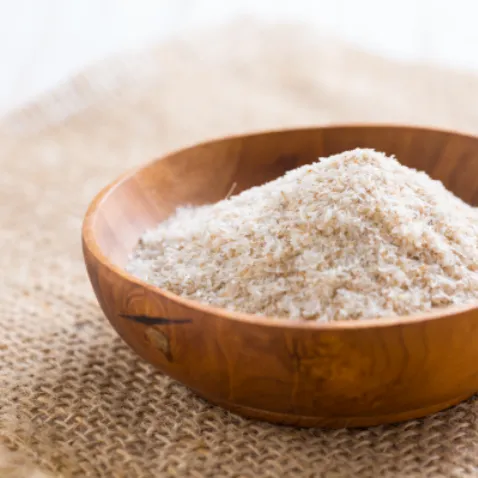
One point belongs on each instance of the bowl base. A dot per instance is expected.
(336, 422)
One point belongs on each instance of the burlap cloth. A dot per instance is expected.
(73, 397)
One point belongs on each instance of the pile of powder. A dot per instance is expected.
(356, 235)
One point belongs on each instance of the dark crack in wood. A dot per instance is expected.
(145, 320)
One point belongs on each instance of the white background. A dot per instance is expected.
(43, 42)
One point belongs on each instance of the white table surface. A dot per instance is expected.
(43, 42)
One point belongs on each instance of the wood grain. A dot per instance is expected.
(341, 374)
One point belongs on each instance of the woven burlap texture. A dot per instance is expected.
(73, 397)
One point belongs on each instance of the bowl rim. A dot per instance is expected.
(93, 248)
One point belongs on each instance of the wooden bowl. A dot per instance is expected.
(308, 374)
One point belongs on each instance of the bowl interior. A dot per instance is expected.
(206, 173)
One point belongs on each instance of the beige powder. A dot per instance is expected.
(353, 236)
